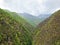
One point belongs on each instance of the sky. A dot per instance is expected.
(34, 7)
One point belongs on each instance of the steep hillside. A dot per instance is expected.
(14, 30)
(21, 20)
(44, 16)
(49, 31)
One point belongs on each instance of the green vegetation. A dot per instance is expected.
(48, 32)
(33, 20)
(14, 30)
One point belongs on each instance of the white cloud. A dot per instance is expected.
(52, 5)
(34, 7)
(2, 3)
(29, 6)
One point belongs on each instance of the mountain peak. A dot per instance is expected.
(56, 14)
(58, 11)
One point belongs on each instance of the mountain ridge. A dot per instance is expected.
(13, 31)
(49, 33)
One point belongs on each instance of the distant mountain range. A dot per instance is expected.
(44, 16)
(34, 20)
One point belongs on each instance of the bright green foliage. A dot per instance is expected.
(13, 30)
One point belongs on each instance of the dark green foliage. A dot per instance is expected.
(12, 29)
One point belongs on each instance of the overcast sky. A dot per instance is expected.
(34, 7)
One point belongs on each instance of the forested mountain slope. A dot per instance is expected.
(49, 32)
(14, 30)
